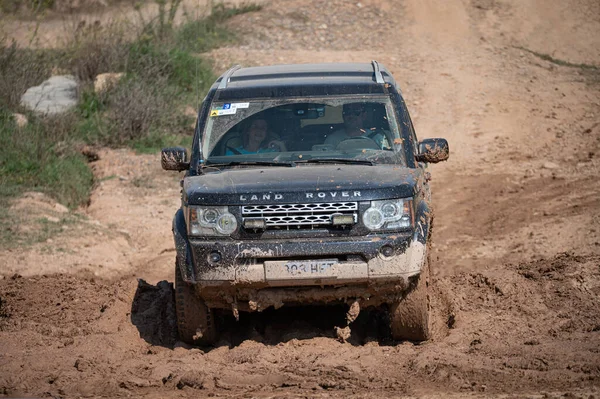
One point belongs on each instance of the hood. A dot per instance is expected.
(302, 184)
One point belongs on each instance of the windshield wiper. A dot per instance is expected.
(249, 163)
(338, 160)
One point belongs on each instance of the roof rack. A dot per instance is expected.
(227, 75)
(378, 75)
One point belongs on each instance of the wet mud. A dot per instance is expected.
(515, 254)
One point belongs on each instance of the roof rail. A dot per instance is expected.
(227, 75)
(378, 75)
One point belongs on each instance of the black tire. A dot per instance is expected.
(410, 317)
(195, 321)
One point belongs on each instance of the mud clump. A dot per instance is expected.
(153, 313)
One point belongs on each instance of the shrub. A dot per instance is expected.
(41, 157)
(21, 69)
(205, 34)
(161, 76)
(135, 107)
(33, 6)
(95, 49)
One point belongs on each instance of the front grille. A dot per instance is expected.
(300, 215)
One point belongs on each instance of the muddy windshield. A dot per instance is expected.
(292, 130)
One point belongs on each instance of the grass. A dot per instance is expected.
(163, 72)
(206, 34)
(36, 158)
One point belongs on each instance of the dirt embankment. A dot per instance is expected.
(516, 256)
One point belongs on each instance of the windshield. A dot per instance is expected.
(262, 131)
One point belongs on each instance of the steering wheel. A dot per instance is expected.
(358, 143)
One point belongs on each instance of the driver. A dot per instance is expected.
(354, 116)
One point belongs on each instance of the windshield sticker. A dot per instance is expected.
(228, 109)
(221, 111)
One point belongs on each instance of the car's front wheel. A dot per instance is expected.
(195, 320)
(410, 317)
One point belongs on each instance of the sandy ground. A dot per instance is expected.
(516, 254)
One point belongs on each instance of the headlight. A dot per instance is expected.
(210, 221)
(389, 214)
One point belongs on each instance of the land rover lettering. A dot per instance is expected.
(343, 194)
(262, 197)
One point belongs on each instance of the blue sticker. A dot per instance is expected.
(226, 106)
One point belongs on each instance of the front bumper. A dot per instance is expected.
(331, 261)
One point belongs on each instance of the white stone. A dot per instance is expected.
(54, 96)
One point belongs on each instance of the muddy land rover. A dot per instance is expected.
(305, 185)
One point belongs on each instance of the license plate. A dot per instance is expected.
(300, 269)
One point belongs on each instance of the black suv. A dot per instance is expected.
(306, 184)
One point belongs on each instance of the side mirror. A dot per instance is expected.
(174, 158)
(433, 150)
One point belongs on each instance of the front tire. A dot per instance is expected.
(195, 320)
(410, 318)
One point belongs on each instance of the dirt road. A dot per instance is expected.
(510, 83)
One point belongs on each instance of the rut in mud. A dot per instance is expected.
(532, 328)
(516, 243)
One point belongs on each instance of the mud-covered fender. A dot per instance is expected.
(412, 260)
(414, 257)
(423, 220)
(184, 253)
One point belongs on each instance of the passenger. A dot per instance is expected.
(354, 116)
(256, 140)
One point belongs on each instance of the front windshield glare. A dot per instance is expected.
(296, 130)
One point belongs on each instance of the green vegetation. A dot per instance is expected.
(35, 6)
(39, 158)
(209, 33)
(163, 71)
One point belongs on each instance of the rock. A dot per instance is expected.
(105, 81)
(60, 208)
(54, 96)
(20, 120)
(52, 219)
(550, 165)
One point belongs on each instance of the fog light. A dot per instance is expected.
(254, 223)
(214, 257)
(339, 220)
(387, 251)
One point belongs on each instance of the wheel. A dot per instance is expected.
(195, 320)
(410, 319)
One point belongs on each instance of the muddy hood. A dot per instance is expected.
(303, 184)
